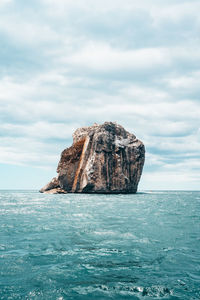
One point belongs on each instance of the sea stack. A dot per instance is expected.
(102, 159)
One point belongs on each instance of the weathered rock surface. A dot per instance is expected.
(103, 159)
(53, 184)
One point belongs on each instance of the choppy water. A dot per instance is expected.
(143, 246)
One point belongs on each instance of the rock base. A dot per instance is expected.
(55, 191)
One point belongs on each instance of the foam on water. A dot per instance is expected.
(143, 246)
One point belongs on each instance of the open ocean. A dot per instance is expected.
(81, 246)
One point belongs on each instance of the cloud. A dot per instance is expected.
(178, 180)
(67, 64)
(5, 2)
(188, 83)
(175, 12)
(26, 151)
(25, 32)
(104, 58)
(39, 130)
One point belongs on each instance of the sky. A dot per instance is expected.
(65, 64)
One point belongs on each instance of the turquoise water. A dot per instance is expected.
(143, 246)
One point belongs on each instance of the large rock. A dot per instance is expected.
(103, 159)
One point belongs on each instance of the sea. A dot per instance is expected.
(84, 246)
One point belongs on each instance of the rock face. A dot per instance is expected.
(103, 159)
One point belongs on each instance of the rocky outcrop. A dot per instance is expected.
(103, 159)
(53, 187)
(55, 191)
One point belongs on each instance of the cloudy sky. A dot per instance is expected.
(65, 64)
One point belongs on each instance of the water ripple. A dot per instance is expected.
(143, 246)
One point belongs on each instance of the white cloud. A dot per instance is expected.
(154, 111)
(10, 89)
(175, 12)
(158, 10)
(173, 180)
(61, 7)
(189, 81)
(102, 57)
(186, 164)
(40, 130)
(26, 151)
(144, 93)
(27, 31)
(5, 2)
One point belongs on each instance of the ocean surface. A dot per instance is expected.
(81, 246)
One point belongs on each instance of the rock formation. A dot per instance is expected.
(103, 159)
